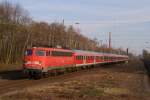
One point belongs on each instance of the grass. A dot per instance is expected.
(91, 91)
(116, 91)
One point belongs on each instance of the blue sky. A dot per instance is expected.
(128, 20)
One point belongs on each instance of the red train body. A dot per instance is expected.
(39, 60)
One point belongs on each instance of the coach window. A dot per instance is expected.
(60, 53)
(48, 53)
(99, 58)
(102, 57)
(68, 54)
(112, 58)
(105, 57)
(78, 57)
(40, 53)
(86, 57)
(96, 57)
(81, 57)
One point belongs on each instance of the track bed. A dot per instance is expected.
(111, 82)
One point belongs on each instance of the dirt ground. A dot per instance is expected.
(111, 82)
(10, 67)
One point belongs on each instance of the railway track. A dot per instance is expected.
(10, 86)
(126, 76)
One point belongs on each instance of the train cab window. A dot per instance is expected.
(28, 52)
(40, 53)
(79, 57)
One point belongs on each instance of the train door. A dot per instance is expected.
(84, 59)
(94, 59)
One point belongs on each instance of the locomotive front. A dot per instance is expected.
(34, 62)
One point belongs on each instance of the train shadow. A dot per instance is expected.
(12, 75)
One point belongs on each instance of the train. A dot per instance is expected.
(39, 61)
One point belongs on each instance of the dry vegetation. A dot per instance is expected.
(119, 82)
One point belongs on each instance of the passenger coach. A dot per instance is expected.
(40, 60)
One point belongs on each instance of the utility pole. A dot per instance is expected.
(127, 51)
(109, 40)
(63, 22)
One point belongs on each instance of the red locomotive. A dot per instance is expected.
(40, 60)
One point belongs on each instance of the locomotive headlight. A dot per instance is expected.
(27, 62)
(33, 62)
(37, 62)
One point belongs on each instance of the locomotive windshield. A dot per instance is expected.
(28, 52)
(40, 53)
